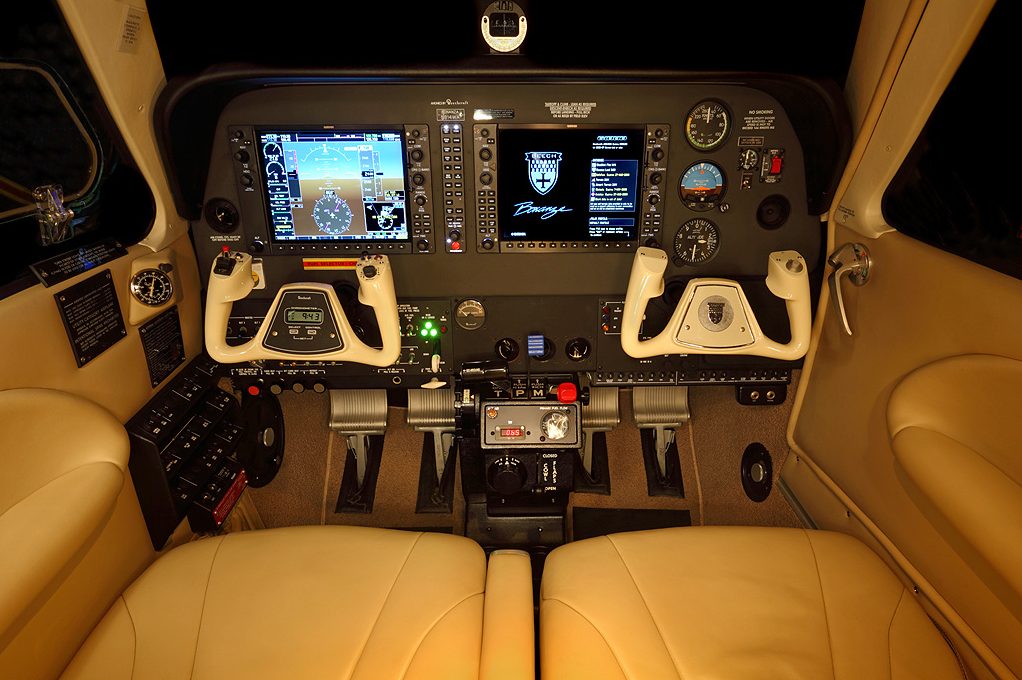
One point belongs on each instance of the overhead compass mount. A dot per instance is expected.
(504, 26)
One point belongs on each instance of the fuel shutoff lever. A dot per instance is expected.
(306, 320)
(714, 316)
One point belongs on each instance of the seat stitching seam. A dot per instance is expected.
(677, 668)
(202, 612)
(593, 626)
(890, 626)
(823, 601)
(432, 626)
(134, 634)
(58, 478)
(372, 628)
(980, 454)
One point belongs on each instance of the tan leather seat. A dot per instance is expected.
(734, 603)
(302, 602)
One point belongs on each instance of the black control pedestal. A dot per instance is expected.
(515, 497)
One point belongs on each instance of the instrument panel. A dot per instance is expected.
(511, 211)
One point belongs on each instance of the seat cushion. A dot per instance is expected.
(732, 602)
(299, 602)
(63, 461)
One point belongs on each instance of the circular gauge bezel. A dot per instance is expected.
(326, 229)
(143, 296)
(698, 206)
(679, 257)
(470, 323)
(728, 124)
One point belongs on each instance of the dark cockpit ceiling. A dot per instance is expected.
(799, 38)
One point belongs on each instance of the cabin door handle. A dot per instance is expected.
(851, 259)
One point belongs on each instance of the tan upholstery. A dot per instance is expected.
(955, 430)
(63, 461)
(301, 602)
(735, 603)
(509, 635)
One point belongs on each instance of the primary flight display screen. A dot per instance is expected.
(334, 185)
(575, 184)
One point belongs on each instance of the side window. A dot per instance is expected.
(960, 188)
(59, 151)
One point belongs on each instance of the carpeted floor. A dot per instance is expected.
(710, 448)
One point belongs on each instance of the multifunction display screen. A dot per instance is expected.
(569, 184)
(334, 185)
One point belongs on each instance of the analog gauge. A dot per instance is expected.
(707, 125)
(331, 213)
(470, 314)
(152, 287)
(697, 241)
(748, 159)
(554, 425)
(702, 186)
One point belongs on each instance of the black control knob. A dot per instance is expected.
(241, 156)
(422, 244)
(246, 180)
(485, 154)
(487, 244)
(454, 235)
(256, 247)
(657, 155)
(651, 243)
(656, 178)
(369, 271)
(653, 199)
(485, 179)
(507, 349)
(417, 155)
(484, 133)
(507, 475)
(418, 179)
(420, 200)
(578, 349)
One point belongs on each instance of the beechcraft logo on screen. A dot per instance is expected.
(543, 169)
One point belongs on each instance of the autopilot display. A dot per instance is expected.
(334, 185)
(569, 184)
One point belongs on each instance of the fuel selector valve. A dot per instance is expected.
(306, 320)
(714, 316)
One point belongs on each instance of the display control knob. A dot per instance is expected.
(420, 200)
(241, 156)
(507, 349)
(418, 179)
(578, 349)
(555, 425)
(653, 199)
(256, 247)
(487, 244)
(657, 155)
(656, 178)
(485, 154)
(485, 179)
(246, 180)
(507, 475)
(422, 245)
(417, 155)
(454, 234)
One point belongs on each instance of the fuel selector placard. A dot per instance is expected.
(511, 424)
